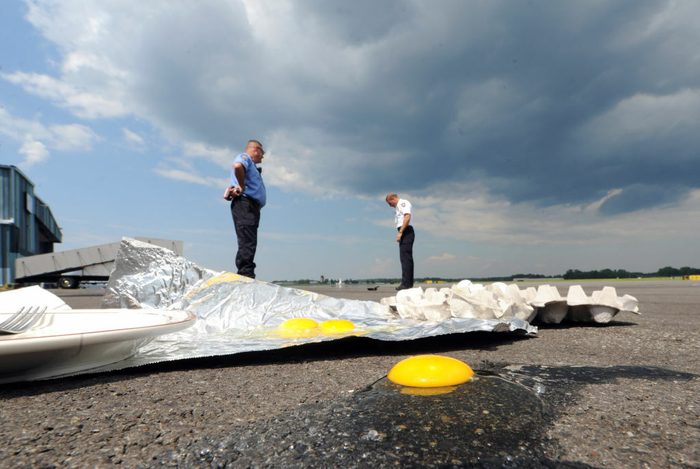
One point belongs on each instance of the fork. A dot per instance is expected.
(23, 320)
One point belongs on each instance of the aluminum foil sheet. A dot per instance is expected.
(237, 314)
(146, 275)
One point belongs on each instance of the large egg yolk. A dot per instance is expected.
(430, 371)
(298, 328)
(337, 326)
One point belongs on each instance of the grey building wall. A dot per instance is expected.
(27, 226)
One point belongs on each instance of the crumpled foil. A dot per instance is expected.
(237, 314)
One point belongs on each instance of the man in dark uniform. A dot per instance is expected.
(405, 237)
(247, 195)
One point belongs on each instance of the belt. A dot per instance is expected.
(398, 228)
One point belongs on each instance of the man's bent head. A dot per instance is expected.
(255, 149)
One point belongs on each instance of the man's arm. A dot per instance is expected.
(239, 172)
(406, 222)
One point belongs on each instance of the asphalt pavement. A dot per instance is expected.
(618, 395)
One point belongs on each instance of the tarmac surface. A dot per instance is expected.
(624, 394)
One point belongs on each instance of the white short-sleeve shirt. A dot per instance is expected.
(402, 207)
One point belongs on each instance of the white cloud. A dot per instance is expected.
(82, 104)
(79, 61)
(72, 137)
(181, 170)
(487, 219)
(187, 176)
(132, 137)
(34, 152)
(595, 206)
(37, 139)
(221, 156)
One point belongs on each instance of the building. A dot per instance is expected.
(27, 226)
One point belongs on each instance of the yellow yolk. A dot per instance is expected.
(298, 328)
(430, 371)
(337, 326)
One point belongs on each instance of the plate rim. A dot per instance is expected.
(25, 344)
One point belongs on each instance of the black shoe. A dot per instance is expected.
(401, 287)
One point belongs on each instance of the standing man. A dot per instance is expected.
(247, 195)
(404, 237)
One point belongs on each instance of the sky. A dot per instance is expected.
(530, 137)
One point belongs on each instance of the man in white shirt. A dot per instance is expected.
(405, 237)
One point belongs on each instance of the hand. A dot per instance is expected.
(237, 191)
(228, 193)
(398, 237)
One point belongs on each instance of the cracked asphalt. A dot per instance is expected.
(619, 395)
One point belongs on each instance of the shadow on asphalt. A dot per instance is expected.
(352, 347)
(579, 325)
(349, 347)
(498, 420)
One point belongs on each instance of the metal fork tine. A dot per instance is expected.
(36, 316)
(14, 319)
(23, 320)
(26, 320)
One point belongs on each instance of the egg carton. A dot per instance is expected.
(502, 301)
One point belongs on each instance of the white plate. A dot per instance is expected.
(75, 340)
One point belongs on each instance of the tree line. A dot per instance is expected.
(571, 274)
(668, 271)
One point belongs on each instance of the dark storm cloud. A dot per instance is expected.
(542, 101)
(358, 22)
(179, 64)
(503, 93)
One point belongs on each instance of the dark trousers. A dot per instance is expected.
(406, 256)
(246, 218)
